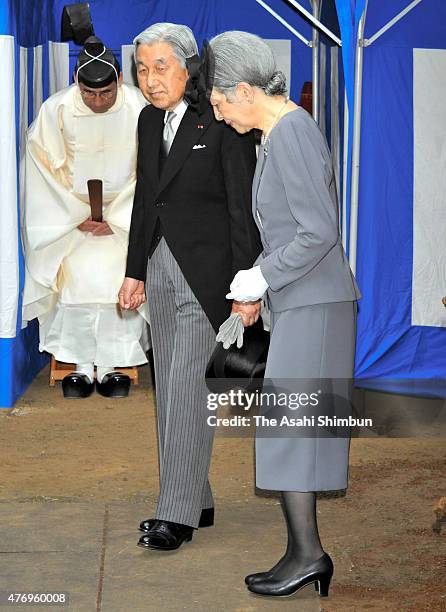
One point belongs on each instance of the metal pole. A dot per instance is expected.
(284, 23)
(391, 23)
(315, 56)
(334, 110)
(356, 145)
(316, 21)
(344, 174)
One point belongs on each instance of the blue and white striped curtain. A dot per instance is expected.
(31, 68)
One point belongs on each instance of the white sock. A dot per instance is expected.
(101, 371)
(87, 369)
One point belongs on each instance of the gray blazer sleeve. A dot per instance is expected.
(302, 161)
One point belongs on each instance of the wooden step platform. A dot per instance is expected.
(59, 369)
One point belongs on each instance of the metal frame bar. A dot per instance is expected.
(315, 21)
(344, 174)
(334, 111)
(284, 23)
(315, 4)
(356, 144)
(391, 23)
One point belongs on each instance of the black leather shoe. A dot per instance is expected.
(206, 520)
(319, 572)
(165, 535)
(114, 384)
(259, 577)
(76, 385)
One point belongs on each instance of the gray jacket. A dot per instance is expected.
(296, 211)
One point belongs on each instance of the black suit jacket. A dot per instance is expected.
(201, 201)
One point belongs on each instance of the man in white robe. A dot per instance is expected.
(75, 266)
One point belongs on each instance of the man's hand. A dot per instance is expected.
(97, 228)
(102, 229)
(132, 294)
(249, 311)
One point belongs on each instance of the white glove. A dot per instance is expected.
(248, 285)
(231, 331)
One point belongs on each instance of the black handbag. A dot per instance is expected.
(239, 367)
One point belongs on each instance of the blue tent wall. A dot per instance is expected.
(35, 23)
(388, 345)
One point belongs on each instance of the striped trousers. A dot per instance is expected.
(183, 340)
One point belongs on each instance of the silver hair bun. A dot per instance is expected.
(276, 86)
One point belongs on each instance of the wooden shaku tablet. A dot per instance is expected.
(95, 194)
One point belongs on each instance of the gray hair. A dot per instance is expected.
(243, 57)
(179, 37)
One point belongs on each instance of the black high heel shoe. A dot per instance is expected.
(260, 576)
(319, 572)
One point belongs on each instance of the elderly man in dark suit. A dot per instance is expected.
(191, 230)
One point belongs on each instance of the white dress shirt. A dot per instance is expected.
(179, 111)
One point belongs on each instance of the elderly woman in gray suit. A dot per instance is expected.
(309, 287)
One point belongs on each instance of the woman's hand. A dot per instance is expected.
(249, 311)
(248, 285)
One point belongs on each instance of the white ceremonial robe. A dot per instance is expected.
(72, 277)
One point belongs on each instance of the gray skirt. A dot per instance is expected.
(316, 341)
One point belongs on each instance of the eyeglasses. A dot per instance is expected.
(103, 95)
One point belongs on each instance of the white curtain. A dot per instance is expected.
(429, 204)
(37, 79)
(9, 276)
(127, 63)
(282, 54)
(23, 97)
(59, 66)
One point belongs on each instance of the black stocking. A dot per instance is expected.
(304, 546)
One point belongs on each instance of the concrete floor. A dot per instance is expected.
(89, 552)
(78, 477)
